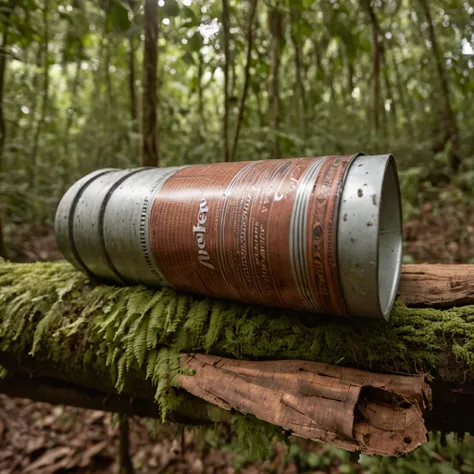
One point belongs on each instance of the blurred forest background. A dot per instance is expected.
(121, 83)
(239, 80)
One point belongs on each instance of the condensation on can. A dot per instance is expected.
(314, 234)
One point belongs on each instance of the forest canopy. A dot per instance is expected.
(236, 80)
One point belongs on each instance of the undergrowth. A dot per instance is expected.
(52, 311)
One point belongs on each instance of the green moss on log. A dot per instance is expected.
(53, 312)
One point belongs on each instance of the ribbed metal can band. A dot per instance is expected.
(315, 234)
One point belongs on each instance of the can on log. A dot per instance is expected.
(315, 234)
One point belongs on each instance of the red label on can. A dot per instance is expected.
(262, 232)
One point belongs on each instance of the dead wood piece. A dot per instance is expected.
(437, 286)
(353, 409)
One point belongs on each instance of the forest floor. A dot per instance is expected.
(40, 438)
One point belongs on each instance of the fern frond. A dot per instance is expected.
(216, 323)
(120, 383)
(150, 363)
(46, 325)
(139, 341)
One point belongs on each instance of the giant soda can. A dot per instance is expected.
(321, 235)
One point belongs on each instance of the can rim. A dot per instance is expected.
(369, 236)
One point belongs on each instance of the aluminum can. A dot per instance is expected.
(321, 235)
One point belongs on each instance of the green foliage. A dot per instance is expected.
(88, 121)
(50, 310)
(437, 457)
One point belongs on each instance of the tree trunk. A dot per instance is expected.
(299, 71)
(226, 33)
(133, 98)
(376, 51)
(350, 76)
(240, 118)
(3, 131)
(448, 127)
(150, 151)
(7, 13)
(44, 99)
(126, 465)
(200, 73)
(275, 25)
(407, 127)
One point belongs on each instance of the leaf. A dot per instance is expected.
(171, 8)
(188, 58)
(189, 17)
(195, 42)
(118, 19)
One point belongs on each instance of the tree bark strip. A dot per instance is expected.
(352, 409)
(437, 286)
(240, 118)
(150, 150)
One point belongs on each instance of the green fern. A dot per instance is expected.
(139, 341)
(3, 372)
(216, 323)
(150, 363)
(121, 370)
(46, 325)
(156, 322)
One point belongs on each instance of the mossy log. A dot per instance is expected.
(66, 339)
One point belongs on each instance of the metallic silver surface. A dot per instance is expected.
(370, 236)
(126, 226)
(103, 228)
(63, 223)
(298, 235)
(87, 223)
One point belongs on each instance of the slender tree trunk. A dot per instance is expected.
(135, 149)
(401, 97)
(132, 87)
(68, 162)
(3, 69)
(390, 117)
(150, 153)
(200, 73)
(126, 465)
(275, 25)
(44, 99)
(448, 127)
(240, 118)
(226, 26)
(350, 76)
(108, 80)
(300, 88)
(367, 4)
(260, 110)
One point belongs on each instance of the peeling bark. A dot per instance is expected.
(352, 409)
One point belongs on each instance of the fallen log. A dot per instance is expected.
(123, 344)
